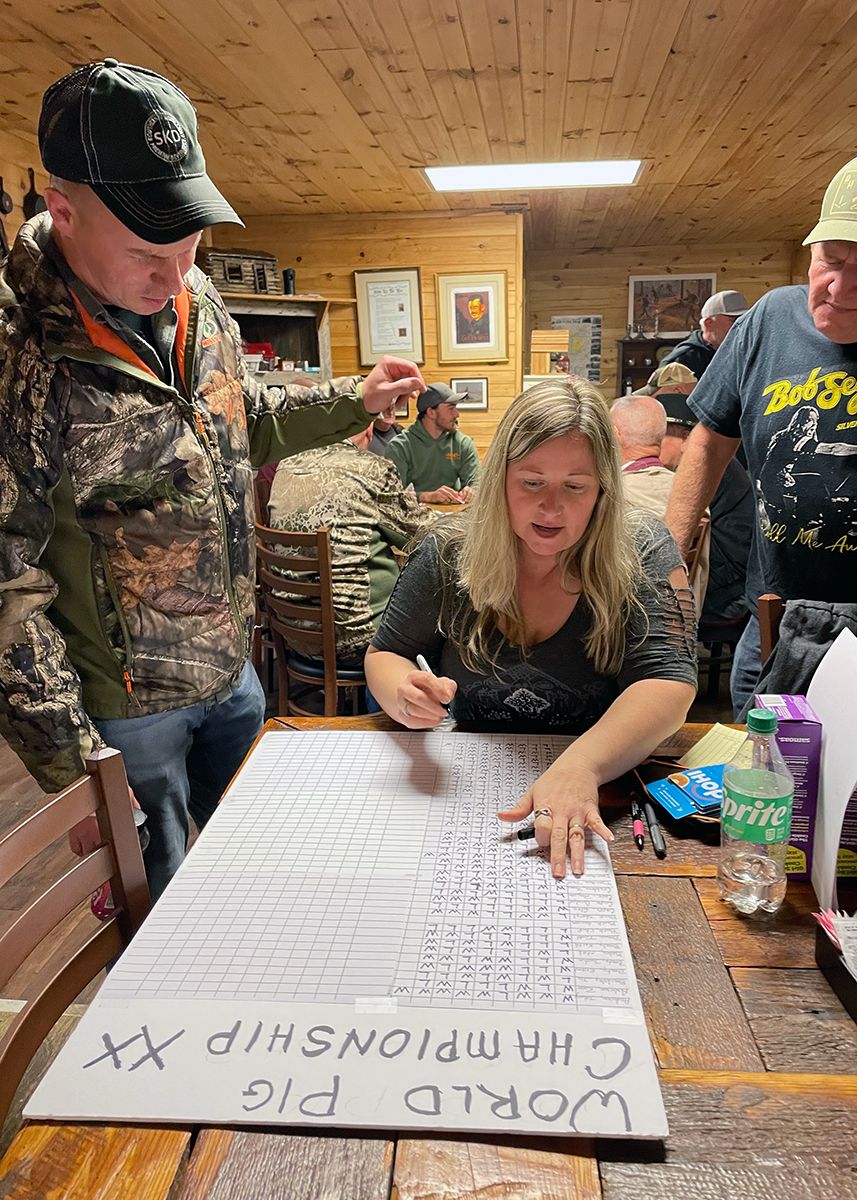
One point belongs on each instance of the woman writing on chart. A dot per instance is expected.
(546, 607)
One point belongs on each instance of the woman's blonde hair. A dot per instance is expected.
(479, 552)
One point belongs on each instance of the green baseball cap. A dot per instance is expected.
(132, 136)
(838, 220)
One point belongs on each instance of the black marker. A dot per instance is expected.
(524, 834)
(655, 831)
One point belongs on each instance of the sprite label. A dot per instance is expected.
(749, 817)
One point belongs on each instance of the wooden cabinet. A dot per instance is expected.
(298, 327)
(636, 358)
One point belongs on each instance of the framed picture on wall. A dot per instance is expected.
(389, 314)
(477, 393)
(668, 305)
(471, 317)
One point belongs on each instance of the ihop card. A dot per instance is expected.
(689, 793)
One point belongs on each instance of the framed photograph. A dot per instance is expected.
(477, 393)
(471, 317)
(668, 305)
(389, 314)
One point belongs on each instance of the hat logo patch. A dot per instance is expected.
(165, 137)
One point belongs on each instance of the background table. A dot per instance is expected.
(757, 1061)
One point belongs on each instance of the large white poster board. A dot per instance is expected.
(355, 940)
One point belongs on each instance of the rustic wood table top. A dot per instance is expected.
(757, 1061)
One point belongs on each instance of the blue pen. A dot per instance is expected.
(423, 666)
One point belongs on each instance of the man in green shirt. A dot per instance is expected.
(440, 463)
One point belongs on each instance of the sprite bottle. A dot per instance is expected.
(755, 820)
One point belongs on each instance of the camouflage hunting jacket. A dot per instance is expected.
(360, 498)
(127, 546)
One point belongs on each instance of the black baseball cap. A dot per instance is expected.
(438, 393)
(132, 136)
(673, 396)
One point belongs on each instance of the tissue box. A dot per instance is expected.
(799, 740)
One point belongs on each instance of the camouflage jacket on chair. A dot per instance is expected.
(126, 510)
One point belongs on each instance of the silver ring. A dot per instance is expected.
(543, 812)
(406, 709)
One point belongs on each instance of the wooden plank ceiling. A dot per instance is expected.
(741, 111)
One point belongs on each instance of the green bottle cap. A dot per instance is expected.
(761, 720)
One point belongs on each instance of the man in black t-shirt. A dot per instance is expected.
(784, 384)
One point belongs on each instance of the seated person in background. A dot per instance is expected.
(719, 314)
(732, 513)
(384, 429)
(440, 463)
(640, 423)
(546, 606)
(360, 499)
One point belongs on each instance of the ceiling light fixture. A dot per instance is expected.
(519, 177)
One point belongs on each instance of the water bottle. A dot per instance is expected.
(755, 820)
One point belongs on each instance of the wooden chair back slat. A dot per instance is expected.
(307, 629)
(771, 609)
(103, 791)
(695, 556)
(63, 896)
(45, 825)
(31, 1025)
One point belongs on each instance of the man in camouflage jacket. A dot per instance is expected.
(361, 499)
(129, 428)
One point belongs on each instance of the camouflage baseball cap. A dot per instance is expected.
(838, 220)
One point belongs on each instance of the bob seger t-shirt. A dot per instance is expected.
(790, 394)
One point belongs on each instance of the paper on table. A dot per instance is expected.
(351, 882)
(719, 745)
(833, 696)
(846, 932)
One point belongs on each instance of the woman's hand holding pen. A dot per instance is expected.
(564, 801)
(423, 699)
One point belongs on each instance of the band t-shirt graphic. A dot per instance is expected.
(791, 395)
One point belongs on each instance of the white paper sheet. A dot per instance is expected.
(833, 696)
(365, 876)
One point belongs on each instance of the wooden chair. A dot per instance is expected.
(262, 653)
(104, 792)
(303, 631)
(696, 555)
(771, 609)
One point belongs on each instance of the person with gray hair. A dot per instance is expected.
(640, 423)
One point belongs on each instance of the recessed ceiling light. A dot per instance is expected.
(518, 177)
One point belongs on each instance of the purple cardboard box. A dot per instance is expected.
(799, 740)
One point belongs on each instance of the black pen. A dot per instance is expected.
(637, 818)
(655, 831)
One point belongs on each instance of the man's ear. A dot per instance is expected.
(61, 209)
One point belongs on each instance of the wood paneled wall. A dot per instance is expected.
(326, 250)
(596, 281)
(17, 152)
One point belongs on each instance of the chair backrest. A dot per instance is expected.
(771, 609)
(104, 792)
(262, 496)
(696, 555)
(304, 625)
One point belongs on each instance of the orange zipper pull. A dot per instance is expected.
(129, 683)
(199, 424)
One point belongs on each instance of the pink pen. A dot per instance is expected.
(639, 827)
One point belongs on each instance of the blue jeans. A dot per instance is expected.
(181, 762)
(746, 666)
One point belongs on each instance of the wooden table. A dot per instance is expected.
(756, 1056)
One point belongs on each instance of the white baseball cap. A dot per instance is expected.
(724, 304)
